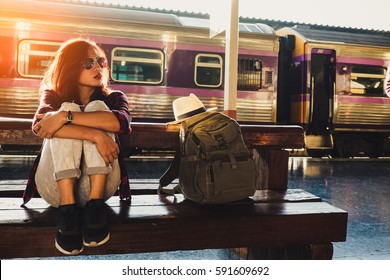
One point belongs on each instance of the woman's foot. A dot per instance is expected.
(96, 230)
(69, 239)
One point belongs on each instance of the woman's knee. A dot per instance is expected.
(70, 106)
(96, 105)
(67, 146)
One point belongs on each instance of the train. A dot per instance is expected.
(330, 82)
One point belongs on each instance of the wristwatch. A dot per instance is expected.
(69, 117)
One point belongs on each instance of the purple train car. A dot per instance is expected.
(334, 88)
(155, 57)
(329, 82)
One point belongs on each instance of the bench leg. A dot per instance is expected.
(272, 166)
(292, 252)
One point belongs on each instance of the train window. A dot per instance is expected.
(208, 70)
(367, 80)
(35, 56)
(249, 74)
(133, 65)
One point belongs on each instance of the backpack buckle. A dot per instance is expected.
(222, 144)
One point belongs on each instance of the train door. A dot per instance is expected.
(322, 85)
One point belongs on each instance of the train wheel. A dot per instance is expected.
(316, 153)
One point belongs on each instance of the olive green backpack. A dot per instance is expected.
(213, 163)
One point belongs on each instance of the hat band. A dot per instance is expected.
(191, 113)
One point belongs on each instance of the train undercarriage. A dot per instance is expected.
(348, 145)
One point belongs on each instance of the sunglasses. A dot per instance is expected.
(89, 62)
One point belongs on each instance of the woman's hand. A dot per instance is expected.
(49, 123)
(107, 147)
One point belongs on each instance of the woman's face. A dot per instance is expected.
(94, 66)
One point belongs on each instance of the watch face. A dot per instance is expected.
(69, 118)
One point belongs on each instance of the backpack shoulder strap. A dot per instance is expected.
(169, 175)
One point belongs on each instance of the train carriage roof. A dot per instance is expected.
(259, 28)
(312, 34)
(85, 11)
(56, 10)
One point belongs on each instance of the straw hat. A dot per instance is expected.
(188, 106)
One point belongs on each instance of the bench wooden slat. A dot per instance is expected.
(291, 195)
(162, 136)
(182, 227)
(268, 141)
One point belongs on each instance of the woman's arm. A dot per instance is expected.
(91, 126)
(106, 146)
(102, 120)
(117, 121)
(53, 125)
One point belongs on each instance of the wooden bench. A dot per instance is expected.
(277, 223)
(268, 141)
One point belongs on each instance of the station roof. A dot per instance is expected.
(311, 33)
(256, 25)
(275, 24)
